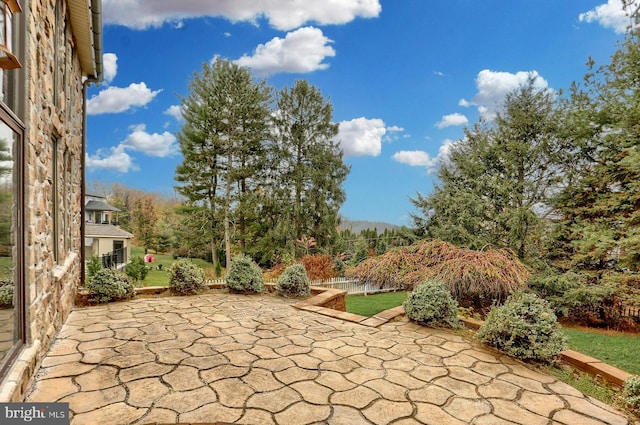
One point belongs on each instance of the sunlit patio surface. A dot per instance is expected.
(255, 359)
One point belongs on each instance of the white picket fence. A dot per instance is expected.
(352, 286)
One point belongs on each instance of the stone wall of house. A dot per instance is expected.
(53, 152)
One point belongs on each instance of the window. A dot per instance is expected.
(12, 292)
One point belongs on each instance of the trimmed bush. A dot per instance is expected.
(93, 265)
(109, 285)
(431, 304)
(185, 277)
(6, 293)
(632, 392)
(525, 327)
(136, 269)
(244, 275)
(294, 281)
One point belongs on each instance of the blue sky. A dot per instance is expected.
(404, 77)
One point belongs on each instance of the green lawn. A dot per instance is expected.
(621, 350)
(370, 305)
(157, 277)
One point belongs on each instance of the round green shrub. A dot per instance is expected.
(244, 275)
(6, 293)
(136, 269)
(185, 277)
(431, 304)
(525, 326)
(632, 392)
(109, 285)
(294, 281)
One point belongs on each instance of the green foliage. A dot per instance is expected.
(431, 304)
(185, 277)
(136, 269)
(361, 252)
(6, 292)
(496, 177)
(244, 275)
(294, 281)
(632, 391)
(93, 265)
(109, 285)
(524, 327)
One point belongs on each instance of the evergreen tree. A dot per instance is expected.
(495, 184)
(599, 229)
(307, 167)
(226, 123)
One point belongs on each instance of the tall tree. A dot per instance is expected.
(599, 230)
(227, 117)
(496, 182)
(144, 219)
(307, 166)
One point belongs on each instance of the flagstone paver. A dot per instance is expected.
(257, 360)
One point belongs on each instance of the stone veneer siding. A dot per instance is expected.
(51, 283)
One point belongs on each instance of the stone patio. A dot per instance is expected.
(257, 360)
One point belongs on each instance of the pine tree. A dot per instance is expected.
(599, 229)
(495, 184)
(222, 142)
(307, 167)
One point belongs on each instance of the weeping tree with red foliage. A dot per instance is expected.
(475, 278)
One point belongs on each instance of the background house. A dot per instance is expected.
(53, 51)
(102, 236)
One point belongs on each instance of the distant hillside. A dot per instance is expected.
(356, 226)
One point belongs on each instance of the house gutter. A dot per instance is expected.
(96, 17)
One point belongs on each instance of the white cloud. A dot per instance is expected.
(493, 87)
(452, 120)
(361, 136)
(281, 14)
(115, 159)
(110, 65)
(423, 159)
(175, 111)
(609, 15)
(117, 99)
(301, 51)
(151, 144)
(414, 158)
(393, 133)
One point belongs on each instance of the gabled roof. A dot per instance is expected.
(105, 230)
(94, 205)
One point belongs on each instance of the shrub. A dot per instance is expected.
(6, 293)
(632, 392)
(185, 278)
(525, 327)
(319, 266)
(244, 275)
(93, 265)
(136, 269)
(431, 304)
(109, 285)
(474, 278)
(294, 281)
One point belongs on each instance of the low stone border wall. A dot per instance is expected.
(578, 360)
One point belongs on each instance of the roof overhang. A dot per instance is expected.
(86, 26)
